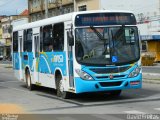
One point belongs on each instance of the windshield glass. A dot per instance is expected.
(107, 46)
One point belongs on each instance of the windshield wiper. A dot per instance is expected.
(105, 40)
(119, 32)
(97, 33)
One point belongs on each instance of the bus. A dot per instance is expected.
(79, 52)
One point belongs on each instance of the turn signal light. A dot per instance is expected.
(134, 82)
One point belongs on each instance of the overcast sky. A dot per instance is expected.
(12, 7)
(149, 7)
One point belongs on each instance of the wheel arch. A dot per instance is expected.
(27, 68)
(57, 73)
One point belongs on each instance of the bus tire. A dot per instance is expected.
(60, 89)
(29, 84)
(115, 93)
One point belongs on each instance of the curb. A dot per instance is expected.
(6, 65)
(151, 81)
(151, 78)
(151, 74)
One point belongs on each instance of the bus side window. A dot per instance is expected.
(15, 42)
(58, 34)
(28, 40)
(24, 39)
(47, 38)
(41, 39)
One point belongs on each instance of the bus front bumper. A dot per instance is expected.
(83, 86)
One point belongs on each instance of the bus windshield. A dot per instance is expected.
(107, 45)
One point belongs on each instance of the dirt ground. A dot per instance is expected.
(11, 109)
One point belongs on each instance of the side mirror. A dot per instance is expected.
(70, 38)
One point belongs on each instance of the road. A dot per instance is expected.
(44, 101)
(151, 69)
(5, 62)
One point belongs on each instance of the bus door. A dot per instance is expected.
(20, 50)
(36, 50)
(70, 56)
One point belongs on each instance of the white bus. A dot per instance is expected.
(91, 51)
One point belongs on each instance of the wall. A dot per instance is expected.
(19, 22)
(150, 30)
(37, 8)
(91, 4)
(142, 8)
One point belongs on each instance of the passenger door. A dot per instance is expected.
(36, 50)
(20, 50)
(70, 56)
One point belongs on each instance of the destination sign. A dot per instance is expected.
(98, 19)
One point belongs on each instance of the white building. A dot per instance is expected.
(19, 22)
(142, 8)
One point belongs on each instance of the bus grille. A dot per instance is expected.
(110, 70)
(107, 77)
(110, 84)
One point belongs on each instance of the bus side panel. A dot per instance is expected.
(49, 62)
(27, 61)
(16, 65)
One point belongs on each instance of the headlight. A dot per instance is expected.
(135, 72)
(83, 74)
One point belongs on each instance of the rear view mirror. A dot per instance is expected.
(130, 35)
(70, 38)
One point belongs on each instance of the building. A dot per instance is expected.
(2, 41)
(6, 28)
(84, 5)
(143, 9)
(150, 37)
(37, 8)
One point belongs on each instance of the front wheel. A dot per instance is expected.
(60, 90)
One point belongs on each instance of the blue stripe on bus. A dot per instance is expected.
(48, 62)
(16, 65)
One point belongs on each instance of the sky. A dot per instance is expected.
(12, 7)
(148, 7)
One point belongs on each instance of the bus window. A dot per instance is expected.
(28, 40)
(58, 33)
(24, 39)
(41, 39)
(15, 42)
(47, 38)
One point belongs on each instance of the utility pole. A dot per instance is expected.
(159, 7)
(74, 3)
(46, 8)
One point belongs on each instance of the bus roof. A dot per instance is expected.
(62, 18)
